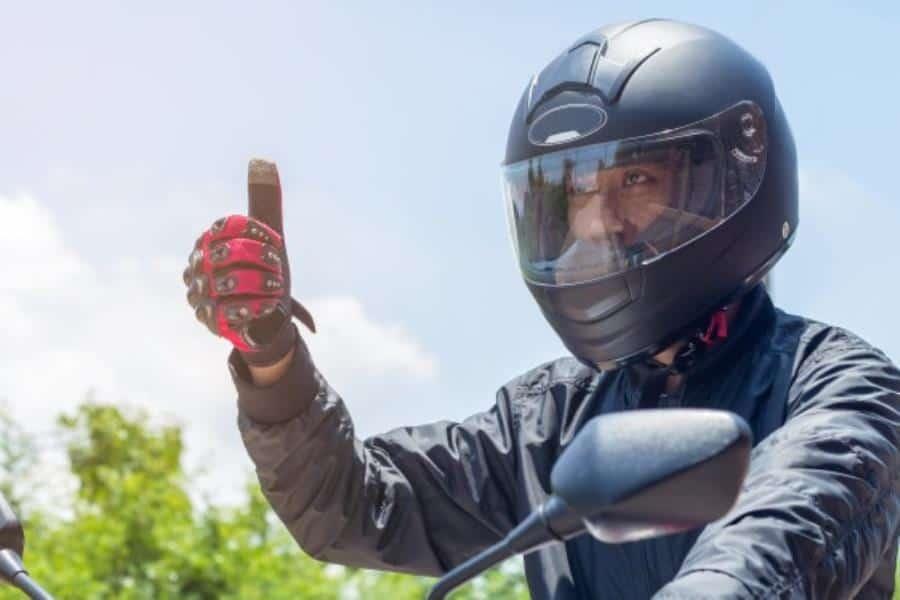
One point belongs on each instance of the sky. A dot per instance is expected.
(125, 131)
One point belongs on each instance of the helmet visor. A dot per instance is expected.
(581, 214)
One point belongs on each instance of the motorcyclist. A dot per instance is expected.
(651, 184)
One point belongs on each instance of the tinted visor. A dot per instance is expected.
(585, 213)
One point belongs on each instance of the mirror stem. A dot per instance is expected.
(552, 522)
(12, 569)
(30, 587)
(469, 569)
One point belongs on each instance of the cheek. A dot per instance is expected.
(577, 221)
(644, 209)
(650, 204)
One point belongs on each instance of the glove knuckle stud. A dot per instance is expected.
(218, 225)
(198, 285)
(235, 314)
(196, 258)
(271, 257)
(219, 253)
(203, 313)
(225, 284)
(257, 232)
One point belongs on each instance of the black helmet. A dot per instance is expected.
(650, 178)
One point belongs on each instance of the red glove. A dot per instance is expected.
(238, 276)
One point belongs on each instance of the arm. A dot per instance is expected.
(416, 499)
(821, 504)
(264, 376)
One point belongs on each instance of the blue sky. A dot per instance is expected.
(126, 131)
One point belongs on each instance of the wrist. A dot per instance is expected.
(275, 351)
(267, 375)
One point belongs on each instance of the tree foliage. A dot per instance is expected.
(133, 533)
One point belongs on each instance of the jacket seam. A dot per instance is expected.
(720, 572)
(532, 390)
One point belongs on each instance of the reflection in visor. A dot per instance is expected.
(581, 214)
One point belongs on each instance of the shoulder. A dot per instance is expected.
(826, 343)
(548, 399)
(812, 341)
(832, 360)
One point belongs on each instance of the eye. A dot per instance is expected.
(635, 178)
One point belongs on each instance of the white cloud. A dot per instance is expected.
(123, 328)
(36, 259)
(350, 342)
(18, 324)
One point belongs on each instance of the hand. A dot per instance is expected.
(238, 276)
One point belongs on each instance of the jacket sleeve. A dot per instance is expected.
(416, 499)
(820, 507)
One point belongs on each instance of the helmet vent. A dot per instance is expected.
(585, 69)
(565, 124)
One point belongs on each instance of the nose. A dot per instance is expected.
(600, 218)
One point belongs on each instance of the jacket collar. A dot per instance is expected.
(645, 383)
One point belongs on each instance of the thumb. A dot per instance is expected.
(264, 193)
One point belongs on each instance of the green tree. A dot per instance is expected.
(133, 534)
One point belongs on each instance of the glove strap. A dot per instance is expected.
(272, 352)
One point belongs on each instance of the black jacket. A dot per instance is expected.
(817, 517)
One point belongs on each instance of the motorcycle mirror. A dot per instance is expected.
(639, 474)
(12, 536)
(12, 547)
(628, 476)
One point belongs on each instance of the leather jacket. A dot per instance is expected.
(817, 516)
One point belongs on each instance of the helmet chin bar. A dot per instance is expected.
(685, 358)
(695, 346)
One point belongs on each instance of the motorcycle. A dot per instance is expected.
(625, 476)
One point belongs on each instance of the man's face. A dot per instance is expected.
(584, 215)
(618, 203)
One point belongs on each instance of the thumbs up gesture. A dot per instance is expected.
(238, 277)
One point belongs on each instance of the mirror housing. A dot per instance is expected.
(12, 536)
(628, 476)
(638, 474)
